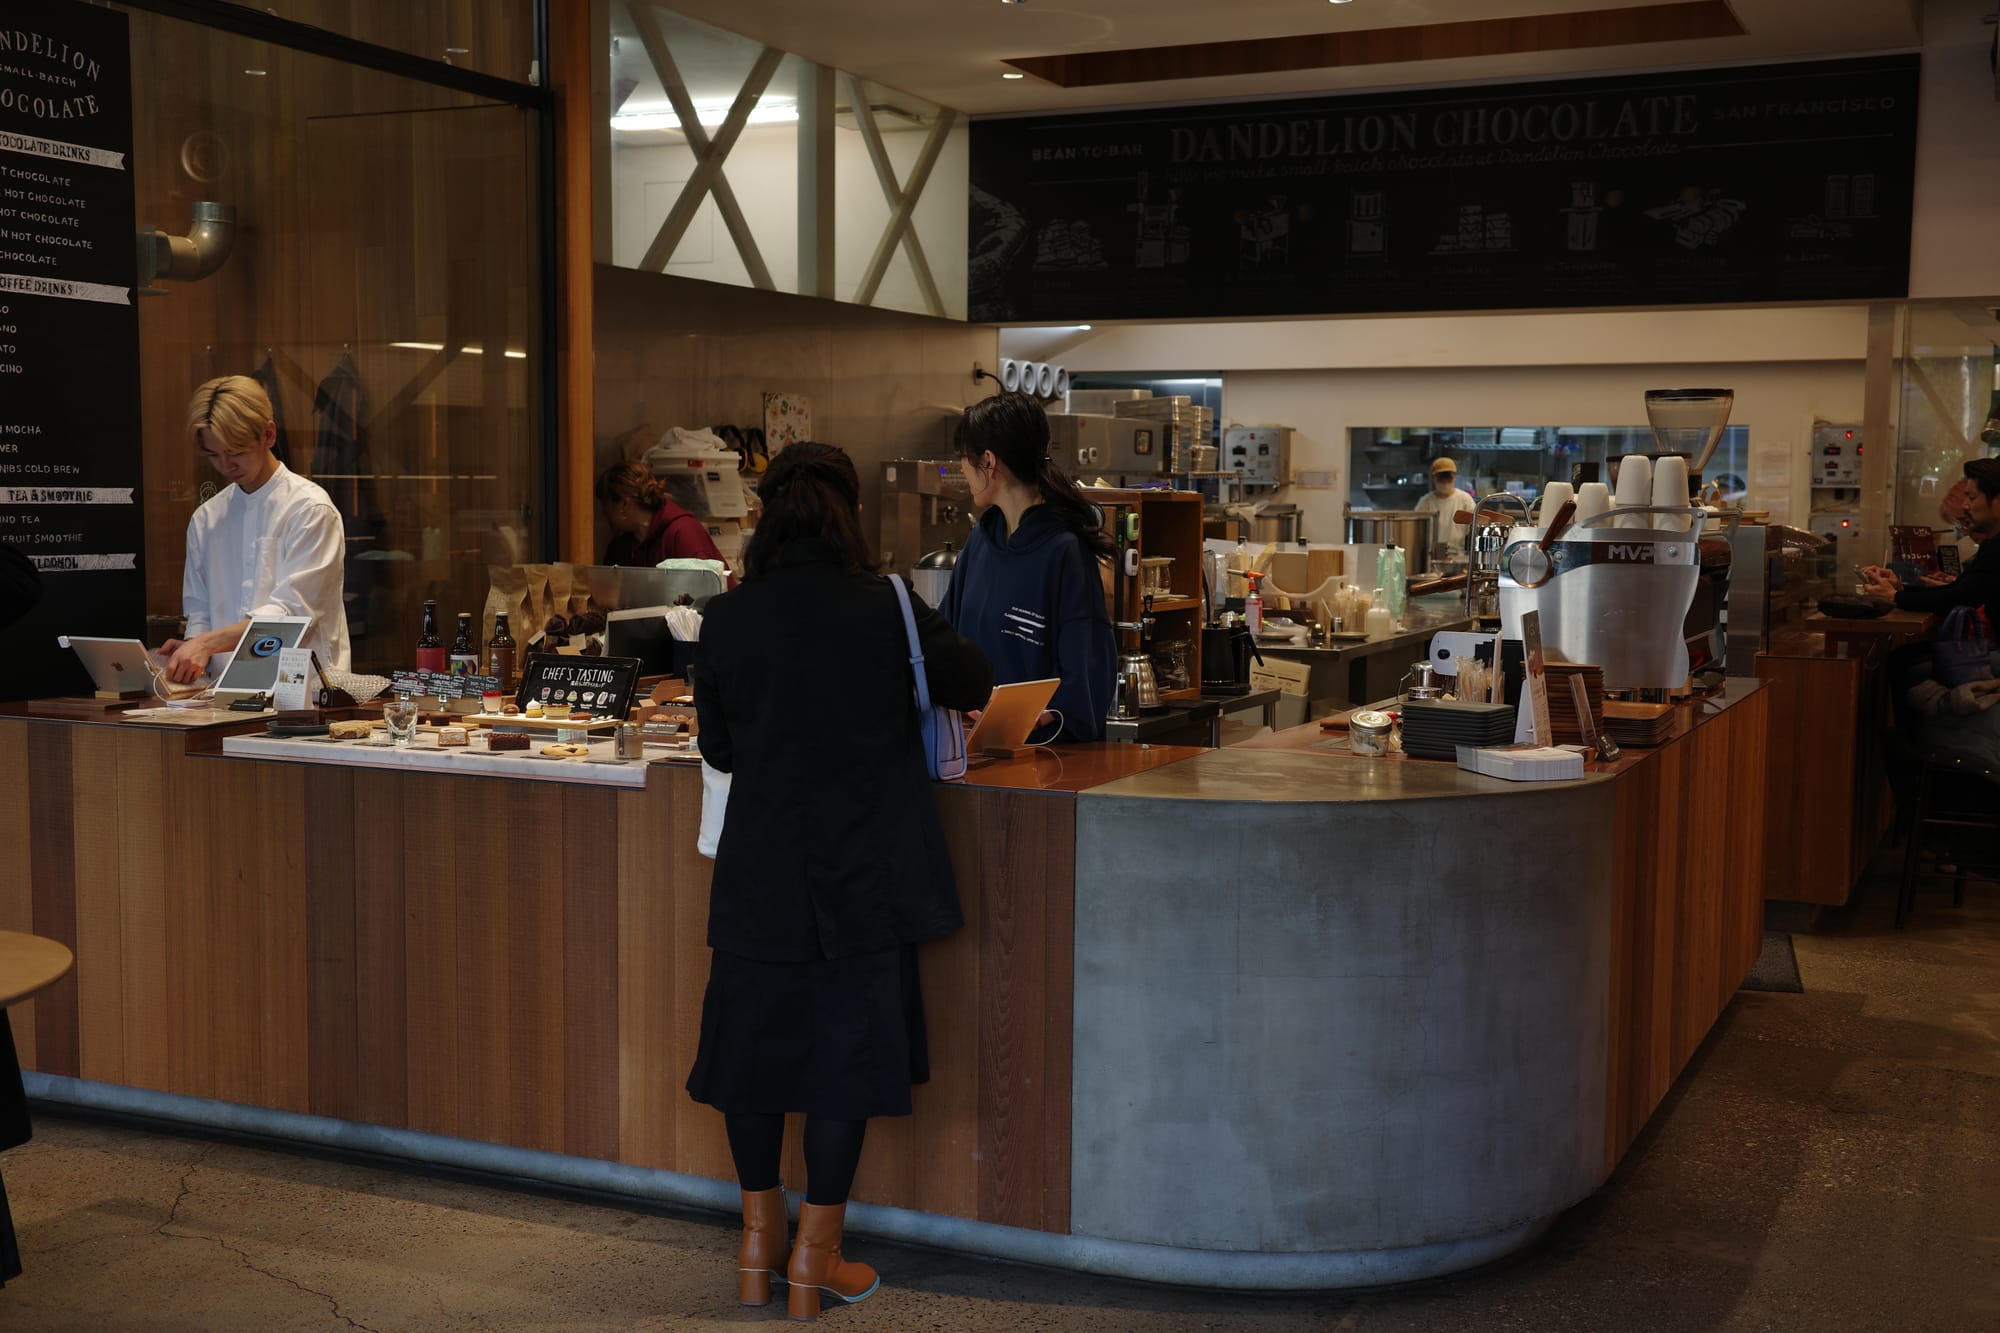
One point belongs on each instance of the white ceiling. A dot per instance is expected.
(950, 51)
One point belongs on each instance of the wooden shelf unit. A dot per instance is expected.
(1170, 524)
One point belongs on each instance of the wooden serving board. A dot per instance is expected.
(536, 723)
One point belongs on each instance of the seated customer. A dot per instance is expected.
(271, 544)
(1978, 585)
(649, 527)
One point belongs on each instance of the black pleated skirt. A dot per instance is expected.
(841, 1038)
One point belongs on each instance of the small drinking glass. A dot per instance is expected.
(401, 715)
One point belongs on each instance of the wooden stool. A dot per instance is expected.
(27, 964)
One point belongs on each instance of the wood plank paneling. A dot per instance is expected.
(1814, 770)
(589, 993)
(522, 962)
(53, 856)
(1687, 906)
(381, 971)
(97, 829)
(142, 899)
(332, 1013)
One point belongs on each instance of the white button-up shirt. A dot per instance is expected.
(277, 552)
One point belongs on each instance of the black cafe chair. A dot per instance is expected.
(1955, 821)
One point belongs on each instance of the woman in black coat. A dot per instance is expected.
(831, 866)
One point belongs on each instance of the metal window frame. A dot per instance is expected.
(537, 99)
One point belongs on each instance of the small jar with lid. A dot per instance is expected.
(631, 745)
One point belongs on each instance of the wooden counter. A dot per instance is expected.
(518, 962)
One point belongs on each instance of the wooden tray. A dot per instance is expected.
(535, 723)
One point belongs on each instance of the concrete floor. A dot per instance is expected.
(1831, 1162)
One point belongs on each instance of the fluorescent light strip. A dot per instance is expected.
(660, 116)
(474, 350)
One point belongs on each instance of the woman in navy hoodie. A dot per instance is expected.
(1026, 588)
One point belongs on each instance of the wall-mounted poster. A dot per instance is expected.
(1771, 183)
(69, 337)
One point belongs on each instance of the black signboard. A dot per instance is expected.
(1772, 183)
(601, 686)
(69, 336)
(442, 684)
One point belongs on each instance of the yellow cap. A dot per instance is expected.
(1443, 465)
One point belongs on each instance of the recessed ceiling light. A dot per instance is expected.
(1013, 74)
(1340, 2)
(260, 73)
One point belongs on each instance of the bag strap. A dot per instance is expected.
(916, 644)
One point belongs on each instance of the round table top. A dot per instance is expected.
(28, 963)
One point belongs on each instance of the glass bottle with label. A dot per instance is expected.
(430, 648)
(500, 652)
(464, 657)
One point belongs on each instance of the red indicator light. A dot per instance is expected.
(1844, 523)
(1850, 435)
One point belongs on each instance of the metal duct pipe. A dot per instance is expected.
(194, 256)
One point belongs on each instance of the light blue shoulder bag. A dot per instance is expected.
(944, 733)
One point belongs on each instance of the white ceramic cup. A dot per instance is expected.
(1554, 496)
(1592, 499)
(1635, 488)
(1670, 490)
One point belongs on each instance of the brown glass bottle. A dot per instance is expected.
(464, 657)
(430, 648)
(500, 652)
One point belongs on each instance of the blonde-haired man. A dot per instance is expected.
(271, 544)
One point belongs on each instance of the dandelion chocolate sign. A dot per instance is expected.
(600, 686)
(1770, 183)
(69, 335)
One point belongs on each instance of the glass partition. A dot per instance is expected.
(382, 281)
(494, 37)
(1950, 409)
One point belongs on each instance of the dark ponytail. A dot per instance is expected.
(809, 492)
(1014, 427)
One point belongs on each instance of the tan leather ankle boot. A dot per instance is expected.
(759, 1258)
(817, 1268)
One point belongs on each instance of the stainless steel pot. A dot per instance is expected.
(932, 575)
(1410, 529)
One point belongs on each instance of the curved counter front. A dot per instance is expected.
(1266, 1017)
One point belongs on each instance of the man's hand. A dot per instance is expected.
(1879, 582)
(186, 659)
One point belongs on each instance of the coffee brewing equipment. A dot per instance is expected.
(1638, 590)
(926, 505)
(1486, 538)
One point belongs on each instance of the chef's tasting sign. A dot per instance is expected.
(1771, 183)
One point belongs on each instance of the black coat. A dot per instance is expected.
(832, 845)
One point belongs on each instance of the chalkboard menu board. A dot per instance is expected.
(1773, 183)
(69, 336)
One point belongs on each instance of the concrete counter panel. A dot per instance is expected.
(1359, 1030)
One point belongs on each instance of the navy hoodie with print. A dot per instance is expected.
(1035, 607)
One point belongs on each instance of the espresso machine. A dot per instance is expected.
(926, 506)
(1640, 590)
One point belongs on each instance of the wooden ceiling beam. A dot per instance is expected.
(1684, 20)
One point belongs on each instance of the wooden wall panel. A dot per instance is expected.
(1687, 907)
(143, 774)
(648, 883)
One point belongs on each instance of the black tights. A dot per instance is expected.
(833, 1150)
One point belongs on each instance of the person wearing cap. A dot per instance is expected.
(1444, 500)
